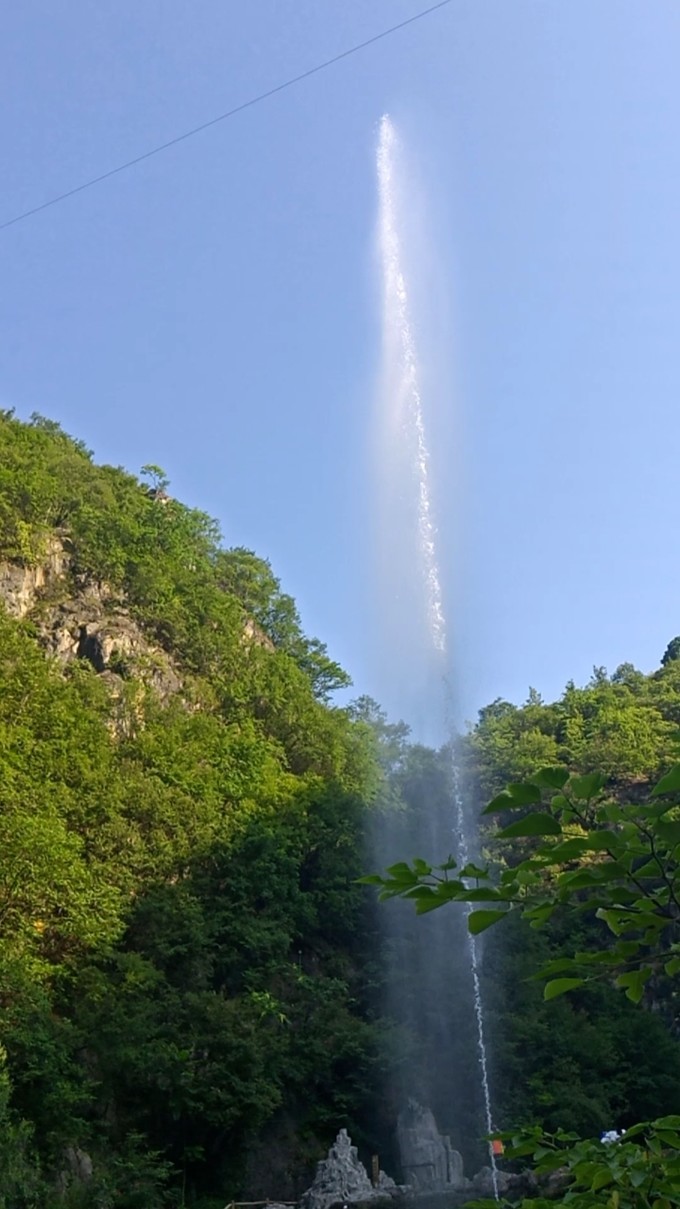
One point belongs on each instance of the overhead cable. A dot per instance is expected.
(222, 117)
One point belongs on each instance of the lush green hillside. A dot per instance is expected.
(587, 1062)
(191, 981)
(593, 1060)
(182, 970)
(624, 725)
(580, 859)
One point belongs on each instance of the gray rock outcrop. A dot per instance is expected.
(79, 1169)
(95, 625)
(486, 1182)
(22, 585)
(428, 1159)
(342, 1179)
(80, 618)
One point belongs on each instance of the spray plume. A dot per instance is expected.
(408, 403)
(398, 326)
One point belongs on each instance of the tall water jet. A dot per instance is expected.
(398, 335)
(403, 426)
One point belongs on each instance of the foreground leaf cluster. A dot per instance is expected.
(640, 1171)
(593, 862)
(584, 849)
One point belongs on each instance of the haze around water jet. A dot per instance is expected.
(408, 502)
(399, 334)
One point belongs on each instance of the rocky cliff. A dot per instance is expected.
(79, 618)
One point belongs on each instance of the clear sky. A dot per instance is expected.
(214, 310)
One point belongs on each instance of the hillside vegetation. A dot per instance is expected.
(192, 981)
(182, 943)
(591, 1061)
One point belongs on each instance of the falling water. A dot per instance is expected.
(464, 857)
(398, 324)
(407, 399)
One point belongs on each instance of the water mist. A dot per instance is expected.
(434, 981)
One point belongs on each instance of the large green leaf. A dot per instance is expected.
(559, 966)
(559, 802)
(521, 793)
(669, 831)
(401, 872)
(472, 870)
(603, 841)
(540, 915)
(612, 920)
(569, 850)
(531, 824)
(670, 783)
(421, 867)
(423, 905)
(560, 986)
(633, 982)
(586, 787)
(601, 1179)
(551, 778)
(479, 921)
(482, 894)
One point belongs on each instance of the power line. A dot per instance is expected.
(230, 113)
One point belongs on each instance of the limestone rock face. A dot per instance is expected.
(79, 1169)
(342, 1179)
(20, 586)
(82, 619)
(428, 1159)
(96, 626)
(254, 635)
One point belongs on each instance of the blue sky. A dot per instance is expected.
(214, 309)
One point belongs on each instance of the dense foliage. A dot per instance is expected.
(590, 860)
(183, 945)
(190, 977)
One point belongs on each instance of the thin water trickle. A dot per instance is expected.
(406, 401)
(464, 858)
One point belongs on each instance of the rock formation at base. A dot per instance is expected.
(432, 1169)
(428, 1159)
(341, 1179)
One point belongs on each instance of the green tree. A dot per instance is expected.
(672, 652)
(183, 945)
(583, 850)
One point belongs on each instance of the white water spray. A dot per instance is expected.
(398, 327)
(404, 377)
(464, 857)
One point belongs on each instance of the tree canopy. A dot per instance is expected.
(590, 859)
(192, 977)
(183, 945)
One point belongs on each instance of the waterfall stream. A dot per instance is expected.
(402, 392)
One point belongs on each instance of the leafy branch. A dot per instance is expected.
(573, 845)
